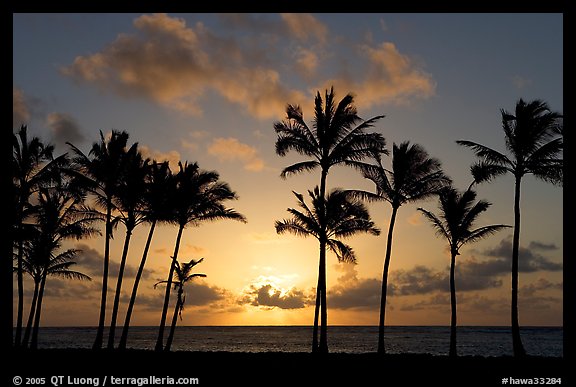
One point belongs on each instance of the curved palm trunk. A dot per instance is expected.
(323, 345)
(452, 352)
(516, 339)
(112, 334)
(174, 319)
(31, 315)
(34, 342)
(124, 337)
(381, 346)
(160, 340)
(100, 332)
(20, 280)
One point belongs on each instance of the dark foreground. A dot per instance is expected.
(56, 367)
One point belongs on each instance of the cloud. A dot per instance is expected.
(90, 262)
(305, 26)
(535, 245)
(231, 149)
(20, 112)
(173, 157)
(270, 297)
(174, 65)
(64, 129)
(423, 280)
(269, 292)
(529, 261)
(390, 77)
(352, 292)
(307, 61)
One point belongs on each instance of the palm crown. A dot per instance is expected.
(344, 217)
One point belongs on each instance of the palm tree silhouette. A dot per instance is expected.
(129, 202)
(198, 196)
(414, 176)
(183, 276)
(156, 208)
(532, 138)
(337, 216)
(458, 213)
(59, 215)
(337, 137)
(32, 167)
(101, 175)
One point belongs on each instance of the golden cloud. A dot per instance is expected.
(231, 149)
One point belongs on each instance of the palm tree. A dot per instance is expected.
(156, 207)
(130, 201)
(338, 136)
(32, 167)
(183, 275)
(339, 216)
(457, 217)
(60, 215)
(533, 136)
(414, 176)
(198, 196)
(101, 175)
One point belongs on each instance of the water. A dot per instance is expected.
(472, 341)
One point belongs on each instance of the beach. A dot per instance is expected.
(145, 367)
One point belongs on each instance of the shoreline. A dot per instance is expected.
(292, 368)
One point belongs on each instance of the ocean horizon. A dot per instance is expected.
(486, 341)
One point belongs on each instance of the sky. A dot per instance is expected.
(208, 88)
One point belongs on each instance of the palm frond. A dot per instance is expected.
(299, 167)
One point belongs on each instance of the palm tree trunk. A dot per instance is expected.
(381, 346)
(516, 339)
(321, 287)
(34, 342)
(20, 280)
(112, 334)
(31, 315)
(323, 346)
(174, 319)
(316, 315)
(124, 337)
(100, 332)
(160, 340)
(452, 352)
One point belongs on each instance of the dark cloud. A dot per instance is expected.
(64, 129)
(422, 279)
(535, 245)
(350, 292)
(92, 262)
(529, 261)
(270, 297)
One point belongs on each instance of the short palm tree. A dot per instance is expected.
(101, 172)
(340, 216)
(414, 176)
(337, 137)
(129, 202)
(198, 197)
(33, 166)
(183, 276)
(59, 216)
(156, 208)
(458, 214)
(533, 137)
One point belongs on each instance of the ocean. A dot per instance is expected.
(471, 341)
